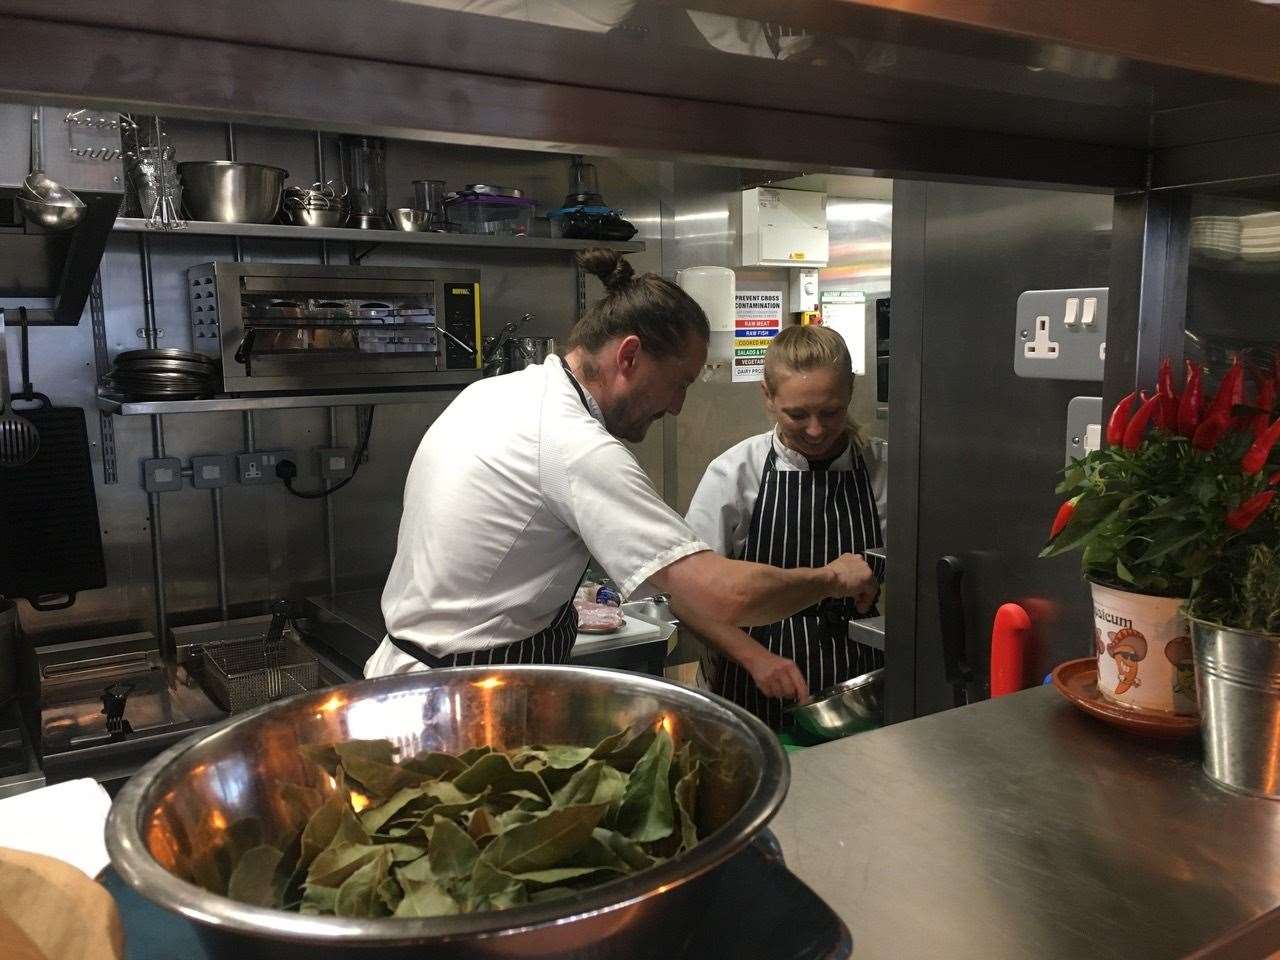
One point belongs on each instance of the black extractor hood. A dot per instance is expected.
(50, 272)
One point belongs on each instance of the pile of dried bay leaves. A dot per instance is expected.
(483, 830)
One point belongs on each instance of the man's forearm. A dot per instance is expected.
(767, 594)
(732, 641)
(742, 594)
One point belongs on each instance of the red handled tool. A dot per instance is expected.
(1010, 644)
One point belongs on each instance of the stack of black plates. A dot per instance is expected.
(163, 374)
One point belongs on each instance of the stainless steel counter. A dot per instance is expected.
(1019, 828)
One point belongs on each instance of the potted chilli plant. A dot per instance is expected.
(1235, 630)
(1156, 513)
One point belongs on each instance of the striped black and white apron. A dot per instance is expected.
(807, 518)
(552, 644)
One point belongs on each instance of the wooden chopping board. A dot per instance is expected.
(49, 910)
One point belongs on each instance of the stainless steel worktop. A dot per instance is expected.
(1019, 827)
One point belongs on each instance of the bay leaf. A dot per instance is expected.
(417, 870)
(405, 852)
(482, 824)
(318, 900)
(495, 772)
(253, 880)
(624, 848)
(366, 751)
(379, 780)
(434, 766)
(390, 893)
(425, 898)
(492, 889)
(337, 863)
(686, 797)
(597, 782)
(646, 813)
(320, 830)
(556, 756)
(323, 754)
(468, 757)
(452, 853)
(350, 829)
(559, 875)
(545, 842)
(359, 894)
(511, 818)
(625, 748)
(375, 816)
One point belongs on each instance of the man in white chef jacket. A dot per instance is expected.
(524, 477)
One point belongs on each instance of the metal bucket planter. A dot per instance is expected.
(1143, 648)
(1238, 678)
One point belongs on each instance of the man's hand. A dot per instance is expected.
(855, 579)
(777, 676)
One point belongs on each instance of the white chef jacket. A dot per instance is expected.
(511, 491)
(720, 512)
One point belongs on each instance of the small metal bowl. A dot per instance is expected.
(408, 219)
(850, 707)
(316, 216)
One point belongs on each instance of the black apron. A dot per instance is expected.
(807, 518)
(552, 644)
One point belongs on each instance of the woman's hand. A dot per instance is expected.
(777, 676)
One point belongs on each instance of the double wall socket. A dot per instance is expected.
(260, 466)
(1061, 334)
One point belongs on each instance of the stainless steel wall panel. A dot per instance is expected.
(990, 444)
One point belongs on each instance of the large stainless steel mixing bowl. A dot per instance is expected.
(228, 192)
(173, 826)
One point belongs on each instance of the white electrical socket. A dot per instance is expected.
(1041, 348)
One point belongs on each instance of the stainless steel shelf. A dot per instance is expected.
(139, 408)
(284, 231)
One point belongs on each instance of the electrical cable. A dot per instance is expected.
(287, 470)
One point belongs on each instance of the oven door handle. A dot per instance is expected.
(242, 351)
(462, 343)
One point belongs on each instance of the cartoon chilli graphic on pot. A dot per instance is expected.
(1128, 648)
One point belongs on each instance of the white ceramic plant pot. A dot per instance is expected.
(1143, 645)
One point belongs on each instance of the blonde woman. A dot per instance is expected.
(797, 496)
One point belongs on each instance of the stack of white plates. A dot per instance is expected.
(1217, 237)
(1260, 237)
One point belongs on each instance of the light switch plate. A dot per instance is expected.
(162, 474)
(1061, 334)
(210, 471)
(1084, 427)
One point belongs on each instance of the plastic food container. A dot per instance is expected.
(490, 214)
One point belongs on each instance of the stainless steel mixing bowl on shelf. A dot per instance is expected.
(176, 820)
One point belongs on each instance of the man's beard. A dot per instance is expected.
(624, 421)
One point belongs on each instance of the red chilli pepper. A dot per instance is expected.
(1167, 414)
(1211, 430)
(1259, 422)
(1063, 518)
(1119, 420)
(1189, 405)
(1256, 456)
(1231, 388)
(1243, 516)
(1138, 425)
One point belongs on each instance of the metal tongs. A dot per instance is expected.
(493, 345)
